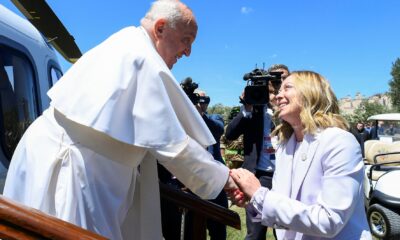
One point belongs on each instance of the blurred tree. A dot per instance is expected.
(365, 110)
(394, 84)
(219, 108)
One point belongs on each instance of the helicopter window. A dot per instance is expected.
(55, 75)
(17, 99)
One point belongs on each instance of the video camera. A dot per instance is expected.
(189, 87)
(256, 91)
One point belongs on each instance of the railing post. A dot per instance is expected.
(199, 227)
(199, 210)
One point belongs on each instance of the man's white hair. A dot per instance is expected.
(168, 9)
(200, 92)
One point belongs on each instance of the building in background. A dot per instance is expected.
(348, 104)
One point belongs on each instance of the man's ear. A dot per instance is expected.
(159, 27)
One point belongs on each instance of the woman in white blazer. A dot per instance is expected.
(317, 188)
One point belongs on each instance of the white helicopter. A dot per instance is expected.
(28, 68)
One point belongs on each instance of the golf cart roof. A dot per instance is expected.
(386, 116)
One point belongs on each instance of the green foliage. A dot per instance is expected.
(234, 111)
(219, 108)
(365, 110)
(394, 84)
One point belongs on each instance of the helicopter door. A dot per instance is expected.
(18, 100)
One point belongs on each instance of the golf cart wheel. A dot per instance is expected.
(383, 222)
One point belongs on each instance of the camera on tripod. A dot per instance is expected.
(189, 87)
(256, 91)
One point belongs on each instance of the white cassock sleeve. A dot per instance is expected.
(194, 167)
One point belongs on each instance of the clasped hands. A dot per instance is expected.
(241, 186)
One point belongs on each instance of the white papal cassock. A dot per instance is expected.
(117, 108)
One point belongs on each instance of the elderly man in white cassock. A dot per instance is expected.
(90, 159)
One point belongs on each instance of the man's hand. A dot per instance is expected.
(230, 184)
(199, 109)
(247, 107)
(234, 194)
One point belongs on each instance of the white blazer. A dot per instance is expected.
(322, 197)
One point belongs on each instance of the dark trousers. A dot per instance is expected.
(171, 217)
(255, 230)
(216, 230)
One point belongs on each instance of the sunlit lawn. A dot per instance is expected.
(234, 234)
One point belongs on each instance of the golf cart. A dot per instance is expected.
(382, 174)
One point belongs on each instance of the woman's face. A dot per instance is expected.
(289, 104)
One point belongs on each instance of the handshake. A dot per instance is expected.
(241, 186)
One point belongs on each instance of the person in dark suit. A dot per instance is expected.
(255, 124)
(391, 130)
(171, 214)
(377, 130)
(361, 135)
(215, 123)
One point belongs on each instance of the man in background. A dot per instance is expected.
(171, 214)
(361, 135)
(215, 123)
(377, 129)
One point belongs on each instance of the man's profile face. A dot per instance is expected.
(176, 42)
(203, 106)
(272, 95)
(274, 86)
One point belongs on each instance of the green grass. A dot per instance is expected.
(234, 234)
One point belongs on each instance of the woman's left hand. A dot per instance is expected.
(246, 181)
